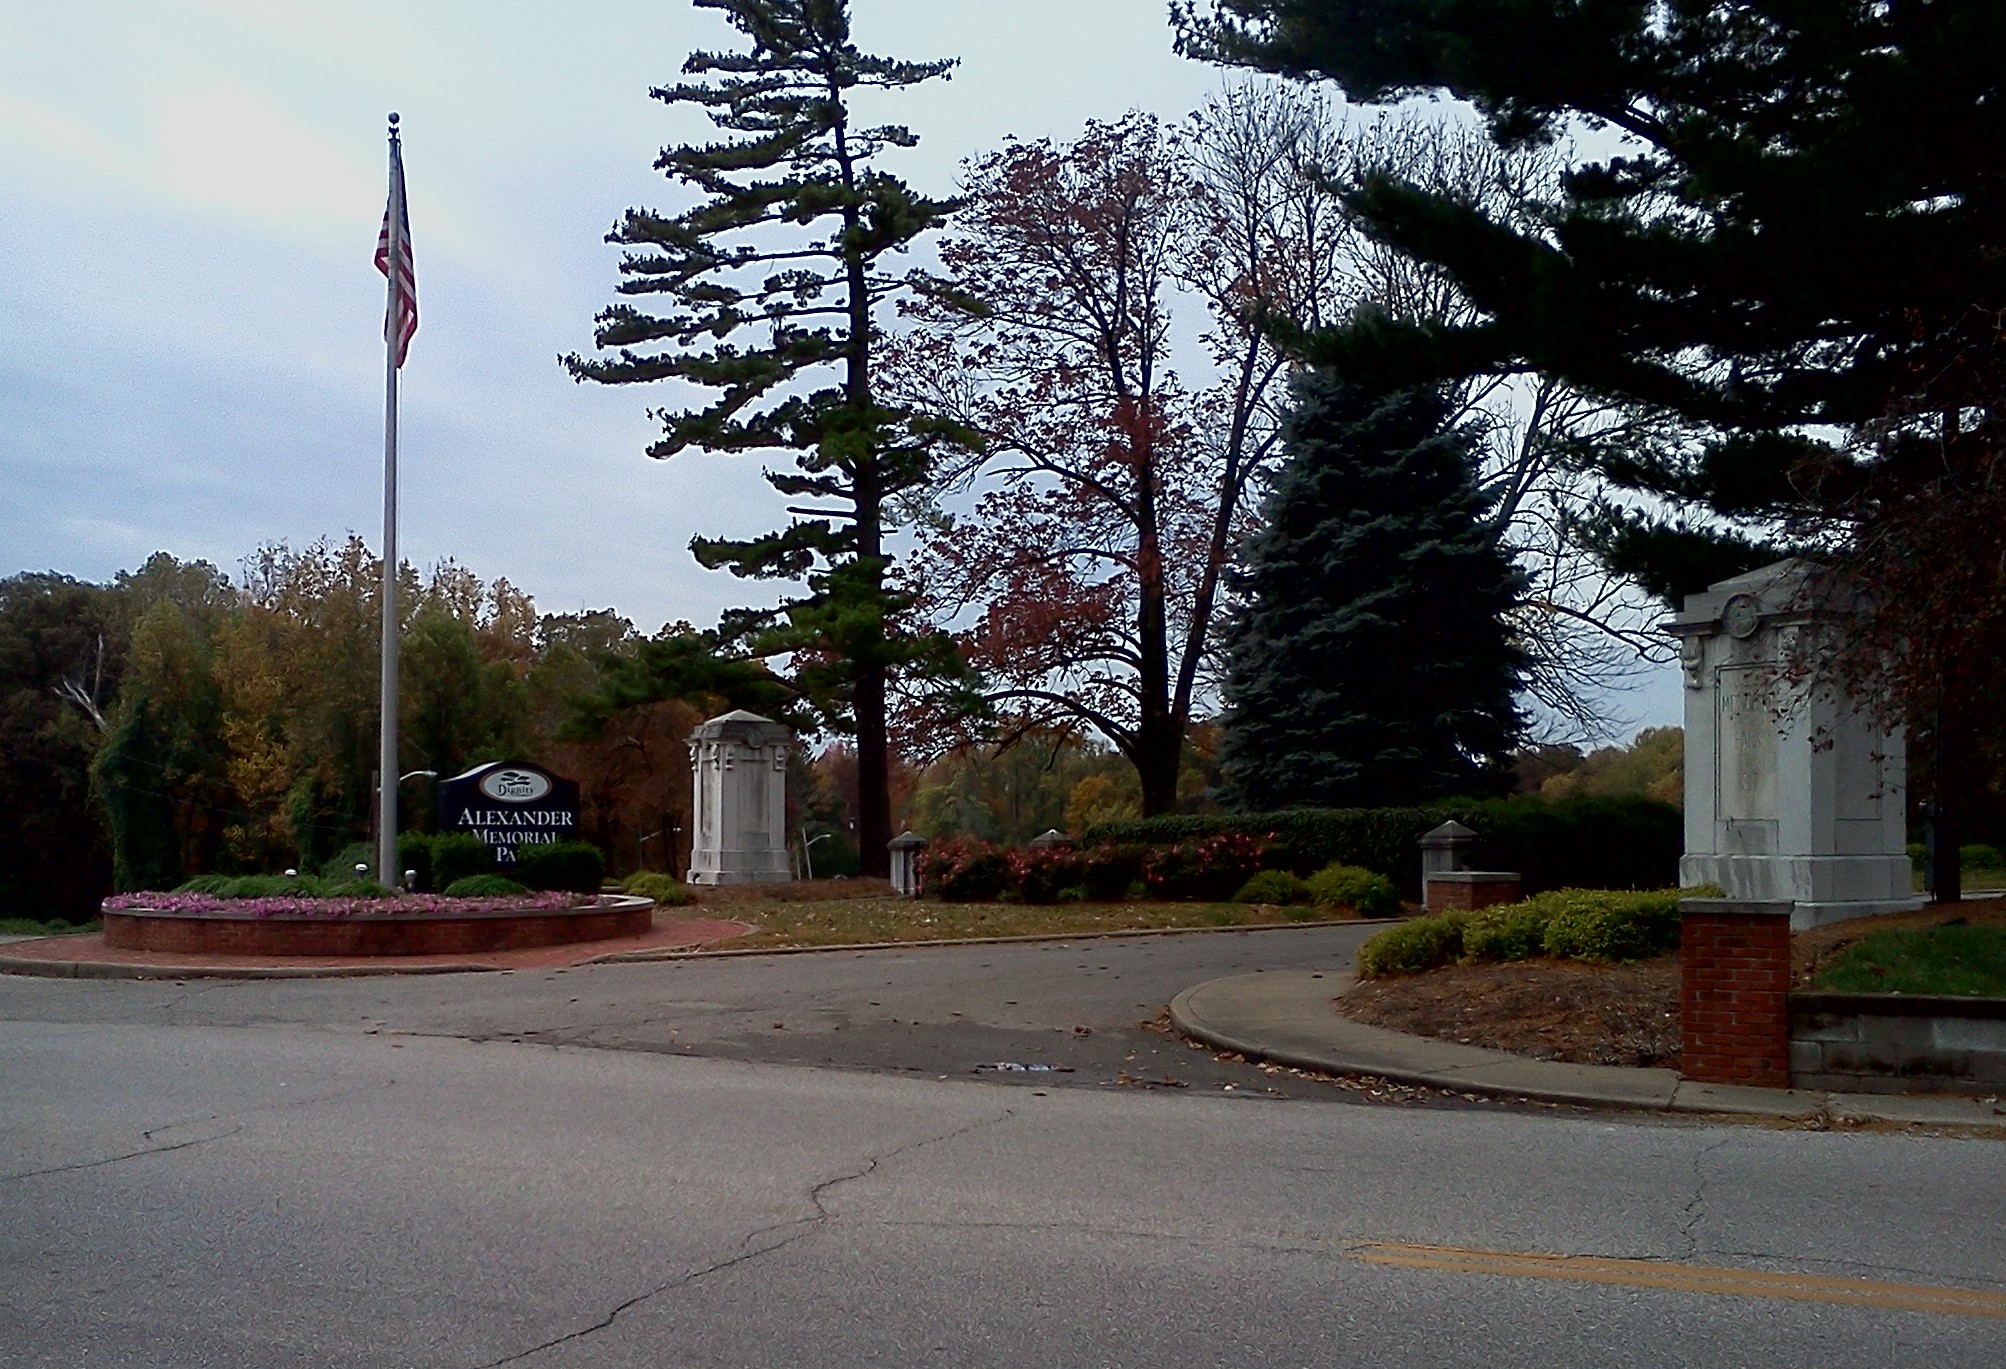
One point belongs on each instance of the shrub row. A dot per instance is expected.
(443, 859)
(279, 886)
(1972, 857)
(666, 890)
(1213, 868)
(1331, 889)
(1581, 842)
(1577, 924)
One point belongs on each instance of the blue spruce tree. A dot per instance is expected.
(1369, 661)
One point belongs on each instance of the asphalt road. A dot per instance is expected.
(608, 1167)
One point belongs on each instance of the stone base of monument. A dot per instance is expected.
(751, 867)
(392, 934)
(1822, 889)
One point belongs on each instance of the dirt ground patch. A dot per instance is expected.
(1592, 1014)
(849, 912)
(1546, 1009)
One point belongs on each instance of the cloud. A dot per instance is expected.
(229, 149)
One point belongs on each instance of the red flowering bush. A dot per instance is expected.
(1208, 869)
(967, 870)
(964, 870)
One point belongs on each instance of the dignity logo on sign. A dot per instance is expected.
(515, 786)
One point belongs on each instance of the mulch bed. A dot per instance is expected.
(1547, 1009)
(1590, 1014)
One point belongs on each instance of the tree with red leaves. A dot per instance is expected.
(1107, 494)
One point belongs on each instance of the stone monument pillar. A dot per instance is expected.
(739, 822)
(1793, 793)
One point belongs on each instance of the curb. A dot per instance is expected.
(113, 969)
(1286, 1017)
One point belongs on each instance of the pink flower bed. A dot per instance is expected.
(395, 905)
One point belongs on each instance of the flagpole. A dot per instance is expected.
(386, 759)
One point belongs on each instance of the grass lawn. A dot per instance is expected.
(1972, 877)
(28, 926)
(1963, 961)
(786, 919)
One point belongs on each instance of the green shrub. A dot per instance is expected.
(1979, 857)
(342, 864)
(353, 888)
(1278, 887)
(1508, 931)
(483, 886)
(1348, 886)
(666, 890)
(576, 866)
(1580, 842)
(1426, 943)
(1601, 924)
(204, 884)
(414, 853)
(456, 855)
(1918, 856)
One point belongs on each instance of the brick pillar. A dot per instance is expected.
(1734, 961)
(1468, 890)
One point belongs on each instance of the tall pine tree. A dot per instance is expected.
(1369, 663)
(773, 286)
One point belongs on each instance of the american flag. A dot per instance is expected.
(400, 320)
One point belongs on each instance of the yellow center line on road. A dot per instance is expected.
(1689, 1278)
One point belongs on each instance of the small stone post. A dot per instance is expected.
(739, 821)
(1448, 882)
(1446, 848)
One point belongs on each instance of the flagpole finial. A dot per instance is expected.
(393, 123)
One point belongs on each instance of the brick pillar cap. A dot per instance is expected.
(1757, 907)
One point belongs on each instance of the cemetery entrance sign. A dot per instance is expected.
(509, 804)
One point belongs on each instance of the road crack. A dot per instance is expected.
(1695, 1207)
(212, 1120)
(789, 1232)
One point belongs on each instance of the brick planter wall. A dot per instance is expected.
(136, 929)
(1468, 890)
(1734, 1000)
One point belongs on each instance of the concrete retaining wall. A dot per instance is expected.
(1885, 1043)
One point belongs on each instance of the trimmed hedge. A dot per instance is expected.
(281, 886)
(1277, 887)
(575, 866)
(666, 890)
(1576, 924)
(456, 856)
(1426, 943)
(1580, 843)
(483, 886)
(1349, 886)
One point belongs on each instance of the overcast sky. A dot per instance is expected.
(190, 354)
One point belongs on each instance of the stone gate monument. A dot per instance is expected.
(1793, 793)
(739, 821)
